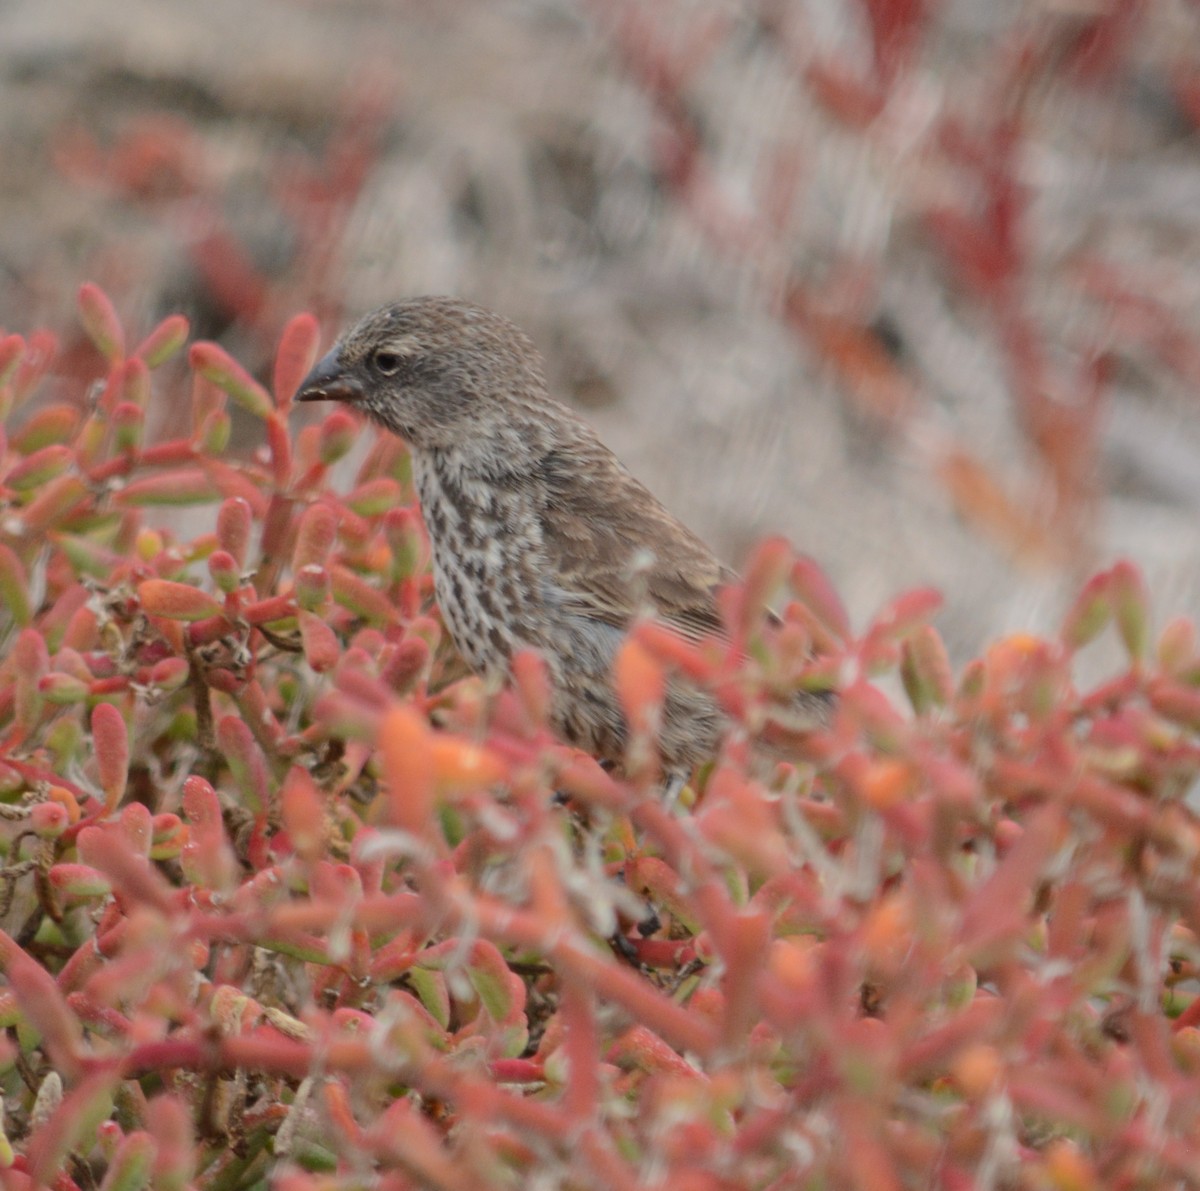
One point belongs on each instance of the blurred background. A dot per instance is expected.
(914, 283)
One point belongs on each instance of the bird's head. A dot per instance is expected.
(439, 372)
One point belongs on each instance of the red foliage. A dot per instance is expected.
(308, 896)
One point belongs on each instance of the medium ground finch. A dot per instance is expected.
(541, 538)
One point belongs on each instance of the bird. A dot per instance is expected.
(540, 537)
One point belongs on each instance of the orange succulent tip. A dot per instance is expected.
(460, 765)
(337, 1104)
(886, 782)
(378, 559)
(887, 930)
(977, 1069)
(792, 961)
(66, 798)
(669, 648)
(641, 684)
(1185, 1047)
(1067, 1168)
(1017, 647)
(148, 545)
(1177, 644)
(406, 756)
(1181, 936)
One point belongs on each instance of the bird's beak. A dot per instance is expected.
(329, 381)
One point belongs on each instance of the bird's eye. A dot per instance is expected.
(387, 362)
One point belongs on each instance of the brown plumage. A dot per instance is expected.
(541, 538)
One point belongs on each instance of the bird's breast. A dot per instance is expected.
(486, 547)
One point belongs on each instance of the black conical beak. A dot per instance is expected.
(329, 381)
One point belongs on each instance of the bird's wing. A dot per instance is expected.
(616, 552)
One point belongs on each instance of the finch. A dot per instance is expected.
(540, 537)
